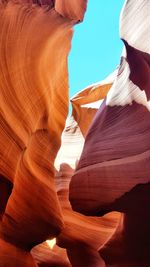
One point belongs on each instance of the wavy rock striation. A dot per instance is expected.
(113, 172)
(35, 41)
(82, 236)
(104, 151)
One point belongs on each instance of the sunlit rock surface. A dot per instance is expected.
(103, 151)
(35, 40)
(113, 173)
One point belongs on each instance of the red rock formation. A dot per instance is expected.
(82, 236)
(113, 173)
(35, 40)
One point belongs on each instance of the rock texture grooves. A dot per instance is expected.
(113, 173)
(100, 162)
(35, 41)
(81, 236)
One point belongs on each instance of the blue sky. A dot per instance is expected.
(96, 46)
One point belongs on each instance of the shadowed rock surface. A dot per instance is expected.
(113, 172)
(82, 236)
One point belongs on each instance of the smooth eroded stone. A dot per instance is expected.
(113, 172)
(35, 40)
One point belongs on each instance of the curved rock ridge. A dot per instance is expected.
(82, 236)
(100, 161)
(35, 39)
(113, 172)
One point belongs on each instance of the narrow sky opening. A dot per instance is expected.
(96, 46)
